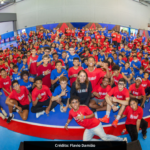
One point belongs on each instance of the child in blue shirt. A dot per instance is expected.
(101, 56)
(16, 74)
(26, 81)
(127, 74)
(62, 94)
(69, 58)
(23, 66)
(116, 60)
(19, 61)
(84, 65)
(56, 74)
(121, 62)
(135, 64)
(140, 73)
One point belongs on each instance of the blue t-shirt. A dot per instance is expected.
(143, 39)
(25, 69)
(70, 59)
(18, 64)
(84, 66)
(28, 84)
(138, 64)
(111, 56)
(16, 77)
(126, 71)
(101, 57)
(116, 61)
(139, 75)
(55, 74)
(131, 38)
(109, 36)
(56, 42)
(58, 90)
(120, 64)
(59, 52)
(92, 36)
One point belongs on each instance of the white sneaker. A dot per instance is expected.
(61, 108)
(39, 114)
(125, 139)
(53, 110)
(2, 116)
(4, 112)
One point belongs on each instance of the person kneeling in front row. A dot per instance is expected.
(19, 100)
(85, 118)
(41, 96)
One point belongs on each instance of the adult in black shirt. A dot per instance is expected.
(82, 88)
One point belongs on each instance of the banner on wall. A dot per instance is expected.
(2, 41)
(12, 38)
(7, 40)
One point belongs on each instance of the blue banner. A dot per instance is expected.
(7, 40)
(12, 38)
(2, 41)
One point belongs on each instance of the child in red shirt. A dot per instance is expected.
(85, 118)
(19, 99)
(32, 63)
(99, 92)
(120, 95)
(73, 71)
(41, 96)
(45, 70)
(134, 121)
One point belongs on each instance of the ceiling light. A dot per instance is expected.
(2, 2)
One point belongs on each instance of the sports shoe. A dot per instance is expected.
(105, 119)
(125, 139)
(2, 116)
(10, 118)
(144, 136)
(40, 113)
(0, 93)
(4, 112)
(61, 108)
(115, 122)
(53, 110)
(14, 109)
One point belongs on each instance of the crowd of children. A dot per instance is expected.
(105, 69)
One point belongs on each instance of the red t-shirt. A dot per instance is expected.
(21, 97)
(5, 83)
(86, 123)
(72, 71)
(98, 36)
(116, 79)
(15, 57)
(144, 63)
(101, 91)
(46, 79)
(80, 34)
(11, 72)
(44, 92)
(87, 38)
(130, 45)
(137, 92)
(95, 76)
(145, 84)
(121, 95)
(133, 116)
(118, 37)
(114, 36)
(33, 66)
(148, 70)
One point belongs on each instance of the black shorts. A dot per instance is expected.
(24, 107)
